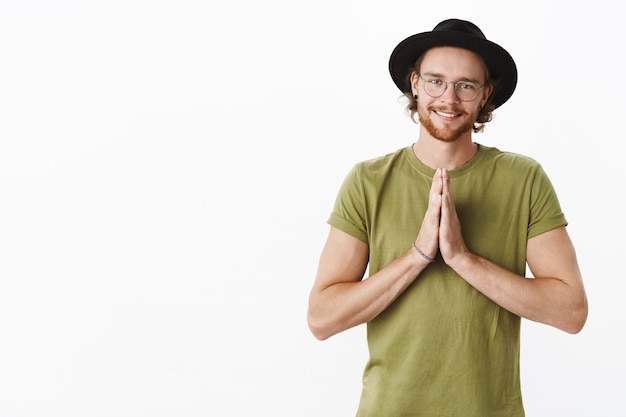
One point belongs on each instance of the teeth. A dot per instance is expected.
(446, 114)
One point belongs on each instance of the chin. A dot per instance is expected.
(445, 133)
(448, 134)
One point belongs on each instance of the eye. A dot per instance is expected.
(466, 86)
(435, 81)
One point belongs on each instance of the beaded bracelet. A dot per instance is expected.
(428, 258)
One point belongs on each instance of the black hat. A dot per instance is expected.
(462, 34)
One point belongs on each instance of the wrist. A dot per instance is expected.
(461, 261)
(424, 256)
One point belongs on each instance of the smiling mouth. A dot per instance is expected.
(447, 115)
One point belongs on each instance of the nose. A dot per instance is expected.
(450, 94)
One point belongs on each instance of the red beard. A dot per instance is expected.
(447, 133)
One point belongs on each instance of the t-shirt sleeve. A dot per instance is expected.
(348, 214)
(545, 210)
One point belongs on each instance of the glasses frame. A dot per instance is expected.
(445, 87)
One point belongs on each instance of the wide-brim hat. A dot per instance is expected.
(462, 34)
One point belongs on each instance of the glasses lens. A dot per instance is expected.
(466, 91)
(434, 86)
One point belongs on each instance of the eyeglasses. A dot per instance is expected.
(465, 90)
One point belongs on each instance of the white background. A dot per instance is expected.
(167, 169)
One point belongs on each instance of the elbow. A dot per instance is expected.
(576, 319)
(574, 327)
(317, 328)
(322, 320)
(319, 334)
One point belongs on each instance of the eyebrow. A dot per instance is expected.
(437, 75)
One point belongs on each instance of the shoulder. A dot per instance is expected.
(381, 164)
(509, 160)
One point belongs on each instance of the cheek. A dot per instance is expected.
(476, 107)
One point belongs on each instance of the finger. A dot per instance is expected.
(445, 208)
(434, 199)
(428, 236)
(447, 198)
(445, 181)
(437, 184)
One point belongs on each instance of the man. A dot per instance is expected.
(447, 227)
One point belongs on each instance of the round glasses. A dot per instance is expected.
(465, 90)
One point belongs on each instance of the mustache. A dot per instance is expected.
(443, 109)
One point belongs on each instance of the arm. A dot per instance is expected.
(341, 299)
(556, 296)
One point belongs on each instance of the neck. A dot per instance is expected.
(435, 153)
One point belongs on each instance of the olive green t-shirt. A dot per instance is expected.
(443, 349)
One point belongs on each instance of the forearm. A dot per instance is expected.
(343, 305)
(550, 300)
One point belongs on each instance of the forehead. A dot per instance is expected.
(453, 62)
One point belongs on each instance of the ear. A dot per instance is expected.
(487, 93)
(414, 80)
